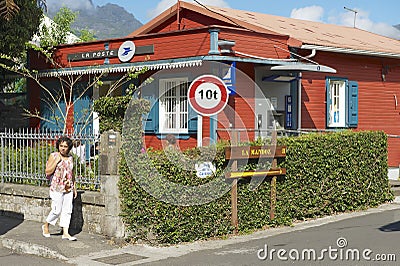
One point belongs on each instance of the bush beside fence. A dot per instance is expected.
(326, 174)
(24, 153)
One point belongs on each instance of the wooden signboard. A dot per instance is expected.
(255, 152)
(238, 153)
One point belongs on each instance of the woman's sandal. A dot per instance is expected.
(70, 238)
(43, 233)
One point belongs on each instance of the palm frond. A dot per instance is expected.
(8, 9)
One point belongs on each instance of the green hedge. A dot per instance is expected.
(326, 174)
(25, 160)
(111, 111)
(27, 165)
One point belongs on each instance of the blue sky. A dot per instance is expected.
(372, 15)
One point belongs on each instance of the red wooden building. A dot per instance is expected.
(282, 72)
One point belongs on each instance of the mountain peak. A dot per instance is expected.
(107, 21)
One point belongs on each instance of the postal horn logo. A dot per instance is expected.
(126, 51)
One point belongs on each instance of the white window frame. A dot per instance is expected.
(173, 108)
(337, 108)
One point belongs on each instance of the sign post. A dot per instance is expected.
(236, 153)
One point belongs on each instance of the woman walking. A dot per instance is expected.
(62, 187)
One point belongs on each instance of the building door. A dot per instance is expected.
(271, 91)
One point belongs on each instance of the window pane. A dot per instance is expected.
(174, 111)
(336, 116)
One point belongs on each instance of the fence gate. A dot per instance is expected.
(24, 154)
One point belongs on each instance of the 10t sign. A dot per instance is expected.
(208, 95)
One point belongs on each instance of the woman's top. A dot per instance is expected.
(62, 180)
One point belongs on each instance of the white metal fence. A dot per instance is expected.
(24, 154)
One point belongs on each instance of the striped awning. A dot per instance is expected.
(121, 68)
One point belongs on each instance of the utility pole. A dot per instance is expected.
(355, 15)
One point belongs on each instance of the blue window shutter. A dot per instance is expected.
(151, 120)
(49, 109)
(83, 119)
(192, 116)
(53, 114)
(352, 104)
(328, 102)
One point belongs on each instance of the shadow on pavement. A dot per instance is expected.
(9, 220)
(391, 227)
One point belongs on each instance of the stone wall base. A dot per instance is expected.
(33, 203)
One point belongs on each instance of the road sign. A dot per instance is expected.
(208, 95)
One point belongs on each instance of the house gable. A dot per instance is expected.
(196, 15)
(188, 20)
(302, 33)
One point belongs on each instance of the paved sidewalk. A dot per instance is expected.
(26, 237)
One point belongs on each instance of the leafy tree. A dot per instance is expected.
(16, 31)
(8, 8)
(67, 92)
(19, 21)
(57, 32)
(86, 35)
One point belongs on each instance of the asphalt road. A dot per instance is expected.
(372, 239)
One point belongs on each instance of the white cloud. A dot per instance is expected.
(54, 5)
(346, 18)
(364, 22)
(164, 4)
(313, 13)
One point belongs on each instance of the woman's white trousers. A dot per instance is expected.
(61, 207)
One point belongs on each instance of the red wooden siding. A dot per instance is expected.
(168, 46)
(244, 100)
(34, 102)
(154, 142)
(262, 45)
(188, 20)
(377, 98)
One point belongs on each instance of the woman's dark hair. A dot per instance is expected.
(67, 140)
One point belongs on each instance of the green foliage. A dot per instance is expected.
(335, 172)
(26, 160)
(150, 219)
(57, 33)
(86, 35)
(326, 174)
(20, 28)
(111, 111)
(26, 165)
(86, 173)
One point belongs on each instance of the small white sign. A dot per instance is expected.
(126, 51)
(204, 170)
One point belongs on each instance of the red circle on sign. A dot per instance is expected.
(208, 95)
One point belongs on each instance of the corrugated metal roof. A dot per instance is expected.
(315, 33)
(307, 33)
